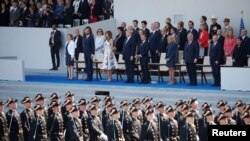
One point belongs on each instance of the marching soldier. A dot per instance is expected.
(149, 130)
(125, 119)
(221, 106)
(222, 120)
(68, 96)
(203, 124)
(135, 131)
(95, 125)
(38, 130)
(137, 104)
(53, 97)
(66, 116)
(228, 112)
(115, 132)
(188, 130)
(194, 105)
(96, 101)
(14, 123)
(162, 121)
(172, 125)
(40, 99)
(84, 117)
(108, 99)
(106, 115)
(4, 135)
(74, 125)
(247, 108)
(205, 106)
(246, 118)
(55, 122)
(178, 105)
(146, 101)
(26, 117)
(239, 105)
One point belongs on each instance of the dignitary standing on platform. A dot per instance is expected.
(70, 56)
(229, 42)
(55, 45)
(216, 52)
(119, 40)
(190, 56)
(89, 51)
(239, 54)
(78, 42)
(203, 41)
(171, 52)
(129, 48)
(246, 44)
(99, 45)
(142, 55)
(154, 41)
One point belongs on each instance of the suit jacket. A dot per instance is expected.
(216, 53)
(191, 52)
(147, 31)
(203, 39)
(213, 30)
(57, 39)
(88, 45)
(154, 41)
(97, 10)
(24, 15)
(15, 16)
(4, 18)
(79, 45)
(129, 48)
(84, 9)
(136, 36)
(119, 40)
(163, 43)
(194, 32)
(183, 37)
(143, 50)
(239, 56)
(246, 44)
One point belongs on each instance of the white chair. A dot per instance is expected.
(182, 68)
(161, 67)
(121, 67)
(248, 62)
(67, 26)
(76, 22)
(85, 21)
(97, 63)
(80, 64)
(229, 61)
(205, 68)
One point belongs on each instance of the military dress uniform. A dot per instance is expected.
(14, 123)
(75, 126)
(126, 121)
(149, 132)
(4, 135)
(45, 110)
(162, 122)
(84, 121)
(66, 117)
(38, 129)
(188, 130)
(173, 130)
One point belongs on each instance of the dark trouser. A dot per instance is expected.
(117, 56)
(192, 74)
(144, 70)
(205, 51)
(54, 51)
(215, 72)
(55, 138)
(155, 58)
(13, 137)
(130, 66)
(89, 66)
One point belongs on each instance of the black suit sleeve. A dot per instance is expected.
(57, 39)
(92, 42)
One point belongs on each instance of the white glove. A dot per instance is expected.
(104, 137)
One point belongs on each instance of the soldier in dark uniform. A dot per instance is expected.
(239, 111)
(205, 106)
(188, 130)
(162, 121)
(84, 117)
(96, 101)
(68, 105)
(246, 118)
(38, 129)
(146, 101)
(125, 119)
(137, 104)
(178, 106)
(184, 110)
(40, 99)
(74, 125)
(222, 120)
(203, 124)
(14, 123)
(53, 97)
(68, 96)
(228, 112)
(95, 125)
(135, 131)
(247, 108)
(115, 132)
(221, 106)
(193, 103)
(4, 135)
(108, 99)
(55, 122)
(149, 130)
(105, 115)
(26, 117)
(172, 125)
(214, 27)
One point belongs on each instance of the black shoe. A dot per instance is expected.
(127, 82)
(88, 79)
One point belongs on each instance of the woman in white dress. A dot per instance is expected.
(109, 62)
(99, 41)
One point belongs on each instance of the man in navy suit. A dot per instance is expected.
(221, 40)
(154, 41)
(190, 56)
(246, 44)
(193, 30)
(135, 34)
(128, 51)
(84, 9)
(88, 50)
(55, 45)
(215, 59)
(182, 33)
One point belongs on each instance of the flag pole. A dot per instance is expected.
(241, 12)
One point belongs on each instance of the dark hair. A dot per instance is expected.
(240, 38)
(144, 22)
(175, 29)
(136, 21)
(204, 18)
(120, 28)
(181, 23)
(169, 19)
(99, 30)
(109, 34)
(191, 22)
(89, 28)
(71, 36)
(143, 32)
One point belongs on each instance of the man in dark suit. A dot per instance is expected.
(15, 14)
(129, 48)
(55, 45)
(221, 40)
(135, 34)
(190, 56)
(215, 59)
(144, 27)
(84, 10)
(24, 14)
(119, 40)
(182, 33)
(78, 42)
(89, 51)
(164, 41)
(154, 41)
(193, 30)
(246, 44)
(214, 27)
